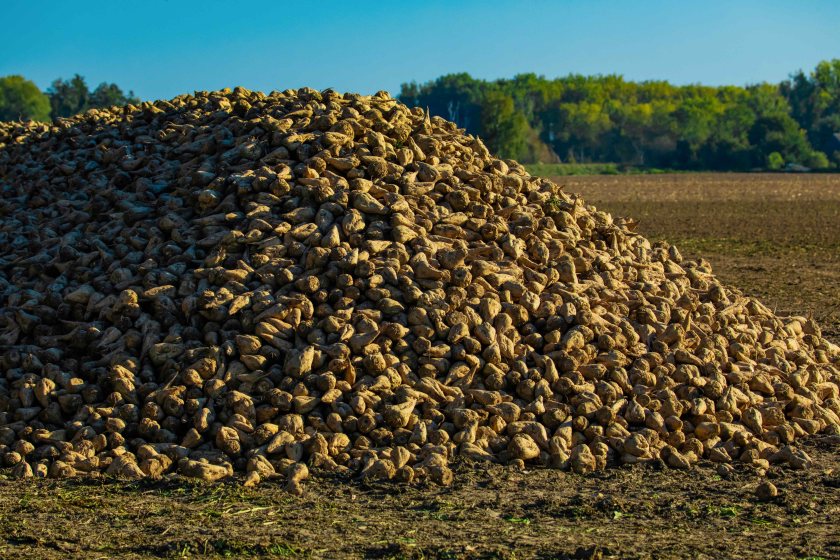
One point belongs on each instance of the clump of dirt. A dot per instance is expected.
(239, 282)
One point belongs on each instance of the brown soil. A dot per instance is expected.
(774, 236)
(645, 512)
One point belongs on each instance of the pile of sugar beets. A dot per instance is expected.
(233, 282)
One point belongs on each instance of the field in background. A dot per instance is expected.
(564, 169)
(774, 236)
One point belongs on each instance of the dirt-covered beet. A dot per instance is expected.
(238, 282)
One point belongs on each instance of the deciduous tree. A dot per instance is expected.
(21, 99)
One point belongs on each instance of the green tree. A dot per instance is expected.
(633, 120)
(781, 134)
(505, 129)
(456, 97)
(774, 130)
(71, 97)
(578, 129)
(108, 95)
(775, 161)
(21, 99)
(817, 160)
(68, 97)
(695, 119)
(815, 103)
(728, 146)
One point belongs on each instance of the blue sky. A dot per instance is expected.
(161, 48)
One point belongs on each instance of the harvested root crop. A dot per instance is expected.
(232, 282)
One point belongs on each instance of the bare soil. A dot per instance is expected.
(775, 236)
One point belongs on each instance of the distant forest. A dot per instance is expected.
(582, 119)
(21, 99)
(585, 119)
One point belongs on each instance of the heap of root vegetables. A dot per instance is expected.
(237, 282)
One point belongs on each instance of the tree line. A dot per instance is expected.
(581, 119)
(20, 99)
(586, 119)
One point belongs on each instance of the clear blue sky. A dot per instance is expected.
(160, 48)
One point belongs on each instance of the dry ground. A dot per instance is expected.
(775, 236)
(489, 513)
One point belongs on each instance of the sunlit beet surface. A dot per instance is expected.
(775, 236)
